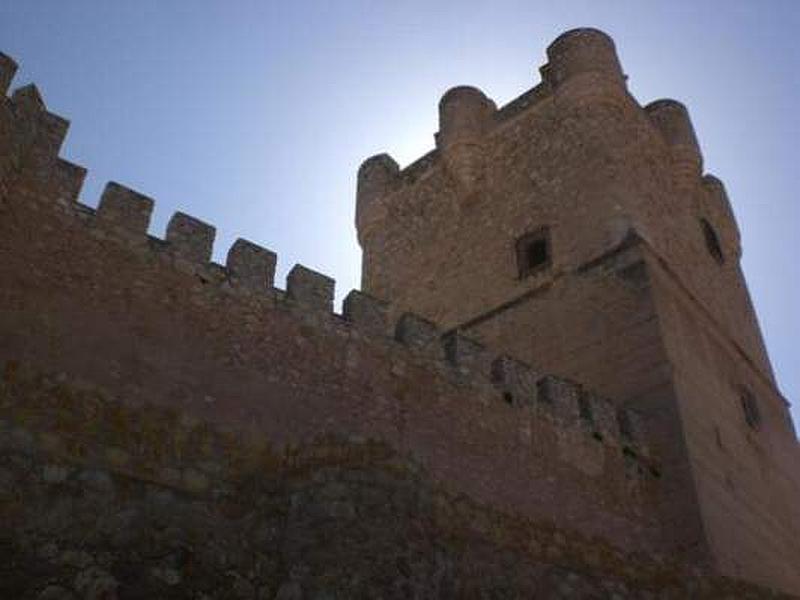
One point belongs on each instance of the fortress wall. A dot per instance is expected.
(578, 155)
(746, 477)
(101, 499)
(584, 160)
(594, 171)
(599, 325)
(163, 335)
(449, 251)
(151, 322)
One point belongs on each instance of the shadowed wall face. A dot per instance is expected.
(91, 511)
(152, 323)
(149, 321)
(522, 250)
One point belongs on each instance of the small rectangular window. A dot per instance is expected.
(533, 252)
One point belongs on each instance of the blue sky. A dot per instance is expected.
(255, 115)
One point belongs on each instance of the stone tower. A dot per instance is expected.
(575, 229)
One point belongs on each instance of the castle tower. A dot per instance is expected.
(575, 229)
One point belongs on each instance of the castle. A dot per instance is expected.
(552, 383)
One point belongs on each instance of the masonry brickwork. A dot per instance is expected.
(142, 377)
(671, 332)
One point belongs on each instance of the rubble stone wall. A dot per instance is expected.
(102, 500)
(88, 293)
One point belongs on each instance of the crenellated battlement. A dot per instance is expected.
(551, 316)
(573, 229)
(8, 68)
(582, 52)
(582, 81)
(123, 217)
(716, 207)
(671, 119)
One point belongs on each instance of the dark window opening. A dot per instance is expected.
(712, 241)
(533, 252)
(543, 392)
(752, 414)
(536, 253)
(508, 397)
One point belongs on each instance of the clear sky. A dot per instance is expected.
(254, 115)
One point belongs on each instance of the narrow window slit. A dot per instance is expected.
(712, 241)
(533, 252)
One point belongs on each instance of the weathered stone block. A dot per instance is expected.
(68, 180)
(125, 208)
(366, 312)
(376, 177)
(516, 379)
(416, 332)
(190, 238)
(560, 397)
(310, 288)
(580, 51)
(8, 68)
(251, 266)
(28, 99)
(466, 354)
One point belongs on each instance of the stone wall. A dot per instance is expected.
(641, 296)
(88, 293)
(101, 500)
(203, 431)
(747, 476)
